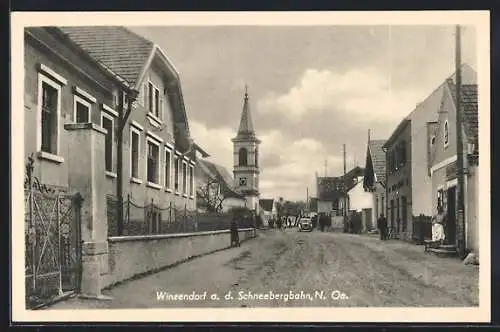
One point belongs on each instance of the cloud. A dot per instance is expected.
(299, 159)
(216, 142)
(288, 166)
(363, 93)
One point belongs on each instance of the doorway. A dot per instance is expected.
(450, 227)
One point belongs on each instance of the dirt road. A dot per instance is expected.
(303, 269)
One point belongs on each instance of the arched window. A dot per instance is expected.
(446, 133)
(257, 157)
(242, 154)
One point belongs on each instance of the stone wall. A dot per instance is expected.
(130, 256)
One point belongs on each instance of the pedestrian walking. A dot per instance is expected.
(322, 222)
(235, 236)
(382, 227)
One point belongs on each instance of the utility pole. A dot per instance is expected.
(326, 165)
(307, 200)
(344, 189)
(460, 148)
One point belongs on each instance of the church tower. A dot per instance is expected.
(246, 159)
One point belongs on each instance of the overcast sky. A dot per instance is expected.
(311, 89)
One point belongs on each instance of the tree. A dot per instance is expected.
(210, 194)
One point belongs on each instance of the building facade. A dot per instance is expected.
(361, 201)
(157, 152)
(246, 159)
(332, 192)
(399, 180)
(63, 85)
(409, 183)
(374, 177)
(215, 191)
(443, 157)
(268, 210)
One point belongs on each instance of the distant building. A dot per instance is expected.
(331, 191)
(374, 178)
(246, 159)
(268, 210)
(361, 201)
(215, 191)
(442, 162)
(313, 204)
(409, 182)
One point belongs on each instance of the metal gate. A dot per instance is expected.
(52, 241)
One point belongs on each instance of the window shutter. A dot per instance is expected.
(146, 97)
(160, 113)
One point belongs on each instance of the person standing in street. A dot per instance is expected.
(382, 227)
(438, 234)
(235, 236)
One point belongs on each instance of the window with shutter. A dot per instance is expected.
(157, 103)
(150, 97)
(161, 109)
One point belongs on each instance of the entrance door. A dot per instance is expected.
(450, 227)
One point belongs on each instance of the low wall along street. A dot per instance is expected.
(131, 256)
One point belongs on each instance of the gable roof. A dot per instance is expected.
(266, 204)
(331, 188)
(218, 172)
(468, 77)
(469, 103)
(129, 55)
(118, 48)
(34, 32)
(378, 158)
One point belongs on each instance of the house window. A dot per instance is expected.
(135, 135)
(184, 178)
(107, 122)
(49, 92)
(242, 156)
(168, 166)
(398, 216)
(154, 100)
(153, 165)
(176, 174)
(404, 212)
(446, 134)
(191, 181)
(392, 213)
(402, 150)
(81, 110)
(440, 198)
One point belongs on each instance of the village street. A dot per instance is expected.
(351, 270)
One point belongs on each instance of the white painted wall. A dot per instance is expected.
(358, 198)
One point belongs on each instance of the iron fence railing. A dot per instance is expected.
(52, 240)
(151, 218)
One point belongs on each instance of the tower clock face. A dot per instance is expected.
(243, 181)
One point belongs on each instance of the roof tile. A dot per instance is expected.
(378, 158)
(266, 204)
(118, 48)
(470, 111)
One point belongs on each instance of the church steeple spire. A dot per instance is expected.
(246, 124)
